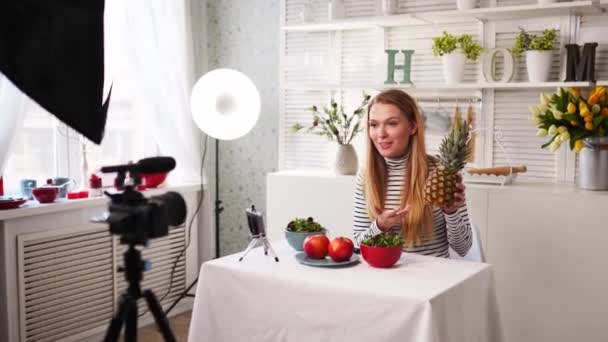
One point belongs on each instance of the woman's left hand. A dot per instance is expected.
(458, 200)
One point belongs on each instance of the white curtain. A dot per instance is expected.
(159, 42)
(13, 104)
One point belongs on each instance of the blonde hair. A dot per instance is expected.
(417, 223)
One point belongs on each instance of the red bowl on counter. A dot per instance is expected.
(382, 257)
(152, 180)
(45, 194)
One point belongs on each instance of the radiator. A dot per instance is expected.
(69, 284)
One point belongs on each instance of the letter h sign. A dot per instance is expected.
(390, 78)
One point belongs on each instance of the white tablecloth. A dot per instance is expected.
(421, 299)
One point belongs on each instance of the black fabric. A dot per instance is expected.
(53, 50)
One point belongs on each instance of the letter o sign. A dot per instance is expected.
(489, 65)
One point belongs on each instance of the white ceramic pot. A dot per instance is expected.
(538, 64)
(466, 4)
(453, 67)
(345, 162)
(335, 9)
(390, 7)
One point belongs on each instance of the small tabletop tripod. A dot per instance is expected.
(255, 221)
(127, 309)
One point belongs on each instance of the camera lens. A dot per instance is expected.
(176, 207)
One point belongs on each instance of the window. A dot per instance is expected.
(45, 148)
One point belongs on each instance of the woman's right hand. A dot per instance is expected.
(388, 218)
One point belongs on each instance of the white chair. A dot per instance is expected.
(476, 252)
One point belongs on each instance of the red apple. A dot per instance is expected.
(315, 246)
(341, 249)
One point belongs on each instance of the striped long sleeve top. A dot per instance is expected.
(452, 230)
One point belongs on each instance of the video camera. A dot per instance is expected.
(135, 218)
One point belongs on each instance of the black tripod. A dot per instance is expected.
(127, 309)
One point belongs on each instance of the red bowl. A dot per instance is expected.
(382, 257)
(152, 180)
(45, 195)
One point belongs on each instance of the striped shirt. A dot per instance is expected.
(451, 230)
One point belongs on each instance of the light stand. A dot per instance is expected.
(225, 105)
(218, 203)
(218, 210)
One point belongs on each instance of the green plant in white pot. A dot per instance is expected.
(454, 51)
(334, 124)
(538, 51)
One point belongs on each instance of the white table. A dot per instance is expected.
(420, 299)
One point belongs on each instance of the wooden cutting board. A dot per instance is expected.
(498, 170)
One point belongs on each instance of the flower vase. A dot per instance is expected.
(345, 161)
(84, 168)
(593, 164)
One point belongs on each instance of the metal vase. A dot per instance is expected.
(593, 164)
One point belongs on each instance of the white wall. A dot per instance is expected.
(244, 35)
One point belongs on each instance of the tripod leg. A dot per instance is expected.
(131, 320)
(116, 324)
(251, 245)
(182, 296)
(159, 316)
(267, 244)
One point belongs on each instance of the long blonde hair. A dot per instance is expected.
(417, 223)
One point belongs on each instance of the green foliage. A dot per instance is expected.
(445, 44)
(448, 43)
(334, 124)
(300, 225)
(525, 41)
(384, 240)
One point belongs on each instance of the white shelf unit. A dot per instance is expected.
(451, 17)
(341, 58)
(443, 86)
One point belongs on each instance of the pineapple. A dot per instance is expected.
(454, 151)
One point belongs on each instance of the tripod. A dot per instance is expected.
(127, 309)
(267, 247)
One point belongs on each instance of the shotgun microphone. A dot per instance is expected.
(146, 165)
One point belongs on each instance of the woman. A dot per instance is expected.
(389, 194)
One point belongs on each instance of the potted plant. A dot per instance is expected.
(382, 250)
(335, 125)
(569, 116)
(454, 51)
(299, 229)
(538, 51)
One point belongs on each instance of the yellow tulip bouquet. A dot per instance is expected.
(567, 115)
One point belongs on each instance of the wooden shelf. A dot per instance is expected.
(445, 17)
